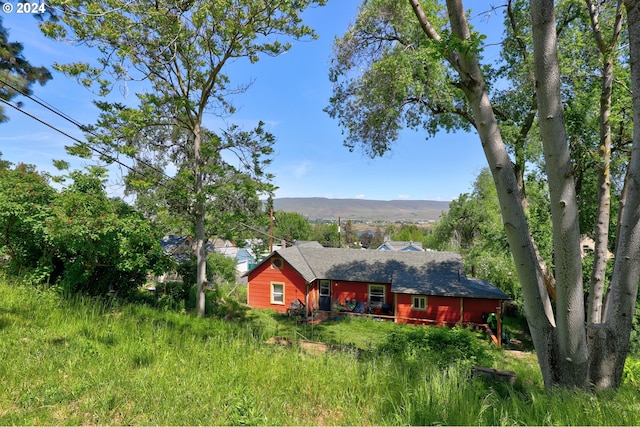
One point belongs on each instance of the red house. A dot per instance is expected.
(413, 287)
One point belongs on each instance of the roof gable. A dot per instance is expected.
(393, 245)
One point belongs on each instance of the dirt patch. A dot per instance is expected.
(519, 354)
(312, 347)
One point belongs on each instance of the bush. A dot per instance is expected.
(442, 345)
(77, 239)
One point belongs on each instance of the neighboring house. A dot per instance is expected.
(391, 245)
(414, 287)
(180, 249)
(588, 246)
(243, 257)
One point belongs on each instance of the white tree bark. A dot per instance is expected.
(603, 214)
(537, 303)
(573, 360)
(201, 254)
(609, 342)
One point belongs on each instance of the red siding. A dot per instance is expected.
(405, 312)
(444, 310)
(473, 309)
(259, 286)
(340, 291)
(349, 290)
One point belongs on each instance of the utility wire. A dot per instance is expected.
(108, 156)
(85, 129)
(82, 127)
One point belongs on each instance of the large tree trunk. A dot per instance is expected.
(537, 303)
(609, 342)
(201, 255)
(571, 339)
(568, 354)
(607, 50)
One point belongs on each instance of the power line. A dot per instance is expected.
(73, 138)
(70, 119)
(87, 130)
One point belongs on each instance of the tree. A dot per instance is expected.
(77, 238)
(325, 234)
(221, 267)
(409, 233)
(16, 73)
(420, 69)
(25, 197)
(97, 245)
(350, 236)
(291, 226)
(181, 50)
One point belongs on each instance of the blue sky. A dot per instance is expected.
(289, 94)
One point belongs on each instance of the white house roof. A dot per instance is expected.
(392, 245)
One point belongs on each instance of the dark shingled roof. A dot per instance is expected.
(422, 273)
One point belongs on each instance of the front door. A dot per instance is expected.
(324, 302)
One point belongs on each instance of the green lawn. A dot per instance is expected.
(84, 362)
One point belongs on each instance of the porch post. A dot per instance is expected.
(499, 313)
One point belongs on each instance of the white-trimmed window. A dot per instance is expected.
(277, 293)
(419, 303)
(276, 263)
(376, 295)
(325, 288)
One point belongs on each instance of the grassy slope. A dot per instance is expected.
(78, 362)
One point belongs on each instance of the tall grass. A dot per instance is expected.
(85, 362)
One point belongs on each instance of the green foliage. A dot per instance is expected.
(143, 361)
(99, 245)
(78, 239)
(173, 295)
(387, 76)
(409, 233)
(221, 269)
(16, 73)
(291, 226)
(442, 346)
(25, 202)
(631, 373)
(326, 234)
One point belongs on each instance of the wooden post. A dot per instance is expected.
(499, 314)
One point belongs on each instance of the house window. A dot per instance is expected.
(419, 303)
(325, 288)
(376, 295)
(277, 293)
(276, 263)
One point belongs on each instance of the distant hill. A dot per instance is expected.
(320, 208)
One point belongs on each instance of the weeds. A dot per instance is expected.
(83, 361)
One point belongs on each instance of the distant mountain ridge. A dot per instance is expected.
(321, 208)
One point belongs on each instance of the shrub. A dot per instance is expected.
(442, 345)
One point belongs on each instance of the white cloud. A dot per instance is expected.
(38, 136)
(404, 196)
(360, 196)
(301, 169)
